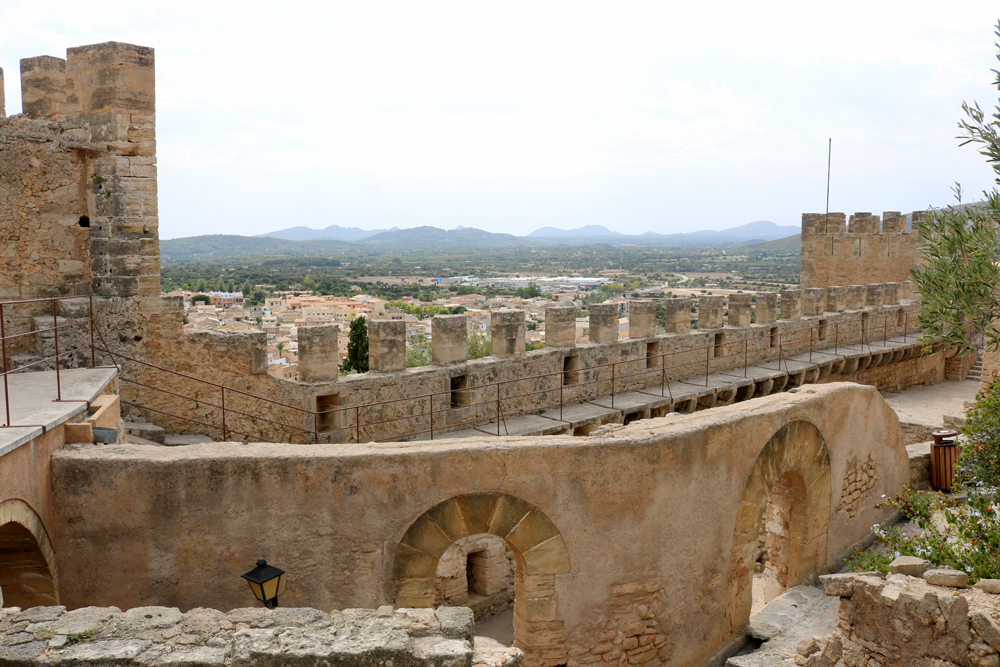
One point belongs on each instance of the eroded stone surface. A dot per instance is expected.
(164, 637)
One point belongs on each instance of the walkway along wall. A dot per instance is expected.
(672, 502)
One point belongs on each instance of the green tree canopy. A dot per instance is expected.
(357, 347)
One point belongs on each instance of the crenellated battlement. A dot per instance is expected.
(865, 248)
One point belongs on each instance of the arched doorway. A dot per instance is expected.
(784, 512)
(539, 554)
(26, 559)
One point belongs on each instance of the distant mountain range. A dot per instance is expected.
(761, 230)
(306, 242)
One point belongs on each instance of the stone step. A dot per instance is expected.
(136, 440)
(146, 431)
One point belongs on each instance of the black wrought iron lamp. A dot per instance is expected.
(264, 581)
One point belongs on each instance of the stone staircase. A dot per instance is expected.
(976, 372)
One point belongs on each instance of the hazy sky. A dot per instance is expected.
(641, 116)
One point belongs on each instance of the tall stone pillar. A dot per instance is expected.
(710, 312)
(386, 345)
(678, 314)
(449, 340)
(874, 294)
(855, 297)
(319, 358)
(603, 322)
(791, 304)
(836, 299)
(813, 301)
(507, 332)
(560, 326)
(740, 310)
(641, 318)
(767, 307)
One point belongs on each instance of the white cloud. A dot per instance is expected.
(640, 115)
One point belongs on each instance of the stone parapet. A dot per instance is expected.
(159, 636)
(449, 339)
(507, 332)
(386, 345)
(319, 358)
(603, 322)
(560, 326)
(872, 249)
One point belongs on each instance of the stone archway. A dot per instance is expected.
(27, 561)
(795, 458)
(539, 554)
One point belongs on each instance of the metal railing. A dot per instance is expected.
(484, 408)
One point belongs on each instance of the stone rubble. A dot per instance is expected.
(908, 621)
(165, 637)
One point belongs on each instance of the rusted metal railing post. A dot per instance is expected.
(498, 409)
(357, 423)
(612, 385)
(55, 324)
(432, 415)
(6, 371)
(93, 352)
(225, 433)
(708, 358)
(746, 343)
(316, 425)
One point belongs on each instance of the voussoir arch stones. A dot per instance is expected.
(535, 540)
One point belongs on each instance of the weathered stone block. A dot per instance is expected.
(386, 345)
(874, 295)
(836, 299)
(766, 307)
(319, 359)
(560, 326)
(740, 310)
(791, 304)
(891, 294)
(910, 566)
(603, 323)
(855, 297)
(710, 312)
(507, 332)
(678, 314)
(449, 339)
(947, 577)
(813, 301)
(641, 318)
(43, 86)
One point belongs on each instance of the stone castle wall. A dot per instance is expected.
(866, 249)
(364, 525)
